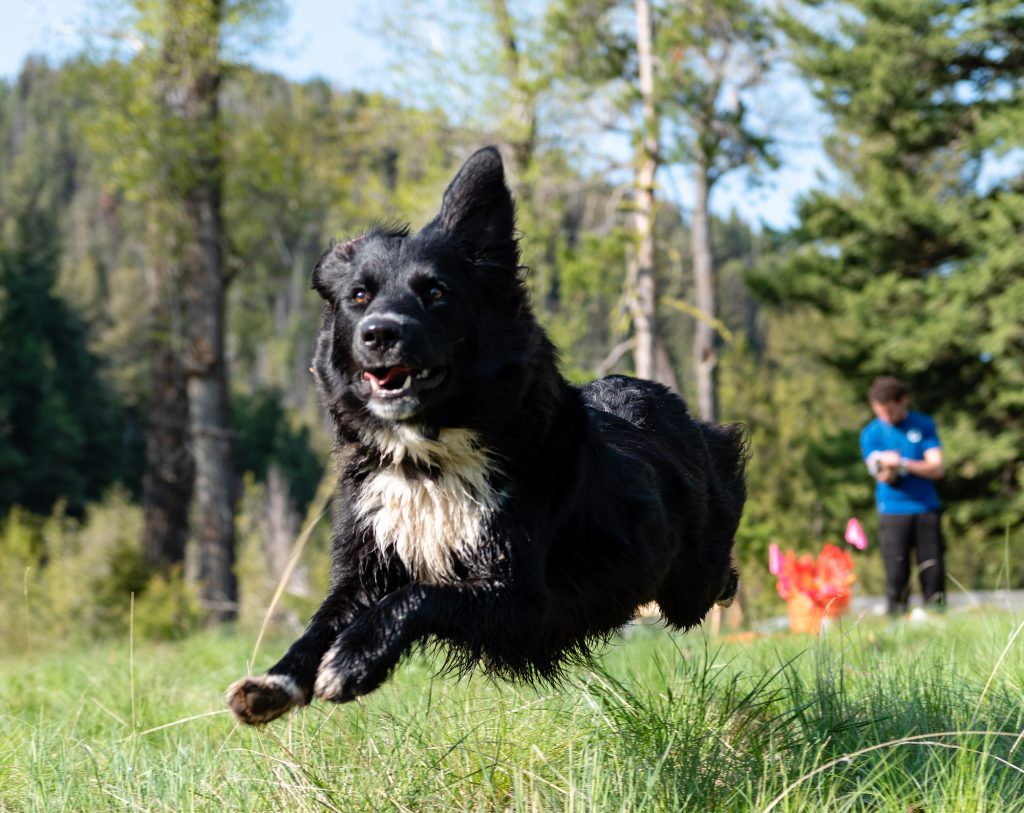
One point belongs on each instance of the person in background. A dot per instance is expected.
(902, 451)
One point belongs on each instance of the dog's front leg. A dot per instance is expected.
(258, 699)
(366, 651)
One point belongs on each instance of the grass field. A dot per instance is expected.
(919, 718)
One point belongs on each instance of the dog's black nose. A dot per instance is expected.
(381, 332)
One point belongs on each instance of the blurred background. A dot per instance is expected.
(761, 204)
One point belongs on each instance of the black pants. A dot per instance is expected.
(898, 535)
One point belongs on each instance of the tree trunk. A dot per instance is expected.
(279, 524)
(664, 372)
(193, 57)
(705, 352)
(205, 302)
(521, 120)
(169, 476)
(643, 294)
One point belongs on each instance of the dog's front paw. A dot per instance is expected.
(344, 676)
(259, 699)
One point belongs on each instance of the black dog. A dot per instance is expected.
(483, 502)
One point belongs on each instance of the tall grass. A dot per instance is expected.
(871, 717)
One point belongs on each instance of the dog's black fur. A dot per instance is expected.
(484, 502)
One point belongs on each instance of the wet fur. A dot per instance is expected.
(502, 513)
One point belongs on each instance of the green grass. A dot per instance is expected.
(870, 717)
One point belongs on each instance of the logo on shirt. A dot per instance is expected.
(914, 436)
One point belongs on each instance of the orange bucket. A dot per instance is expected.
(804, 615)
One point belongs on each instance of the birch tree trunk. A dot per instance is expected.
(643, 294)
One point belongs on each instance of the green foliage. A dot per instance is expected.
(266, 436)
(590, 41)
(68, 579)
(167, 608)
(712, 56)
(260, 569)
(805, 478)
(59, 437)
(63, 435)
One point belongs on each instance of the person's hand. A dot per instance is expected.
(889, 459)
(888, 474)
(885, 467)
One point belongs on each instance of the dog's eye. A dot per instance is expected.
(435, 293)
(360, 296)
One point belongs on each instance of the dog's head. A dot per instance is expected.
(425, 327)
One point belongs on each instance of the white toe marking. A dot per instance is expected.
(280, 682)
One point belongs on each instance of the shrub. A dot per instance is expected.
(67, 579)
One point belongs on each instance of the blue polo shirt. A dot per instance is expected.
(911, 437)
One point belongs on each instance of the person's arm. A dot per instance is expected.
(931, 468)
(873, 456)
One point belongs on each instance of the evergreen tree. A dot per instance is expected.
(59, 437)
(914, 261)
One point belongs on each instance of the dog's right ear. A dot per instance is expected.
(334, 259)
(477, 208)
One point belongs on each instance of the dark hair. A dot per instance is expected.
(886, 389)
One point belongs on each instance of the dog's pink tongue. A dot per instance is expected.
(395, 372)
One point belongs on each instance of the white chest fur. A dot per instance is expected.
(428, 519)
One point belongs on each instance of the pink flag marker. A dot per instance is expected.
(774, 559)
(855, 534)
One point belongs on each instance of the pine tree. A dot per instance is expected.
(59, 437)
(914, 260)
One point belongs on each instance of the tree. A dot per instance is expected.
(63, 435)
(189, 82)
(523, 87)
(164, 138)
(643, 296)
(168, 153)
(913, 261)
(59, 437)
(678, 83)
(714, 54)
(609, 47)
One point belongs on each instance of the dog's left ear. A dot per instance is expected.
(477, 208)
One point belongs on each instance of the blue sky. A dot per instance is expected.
(321, 37)
(325, 38)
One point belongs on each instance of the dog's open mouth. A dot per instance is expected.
(394, 382)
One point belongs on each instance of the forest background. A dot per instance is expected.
(162, 202)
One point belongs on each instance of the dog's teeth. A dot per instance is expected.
(424, 373)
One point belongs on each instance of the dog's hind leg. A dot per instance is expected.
(688, 593)
(731, 588)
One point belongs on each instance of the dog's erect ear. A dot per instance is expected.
(477, 208)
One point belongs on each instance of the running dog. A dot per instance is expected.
(483, 502)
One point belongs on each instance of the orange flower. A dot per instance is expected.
(824, 580)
